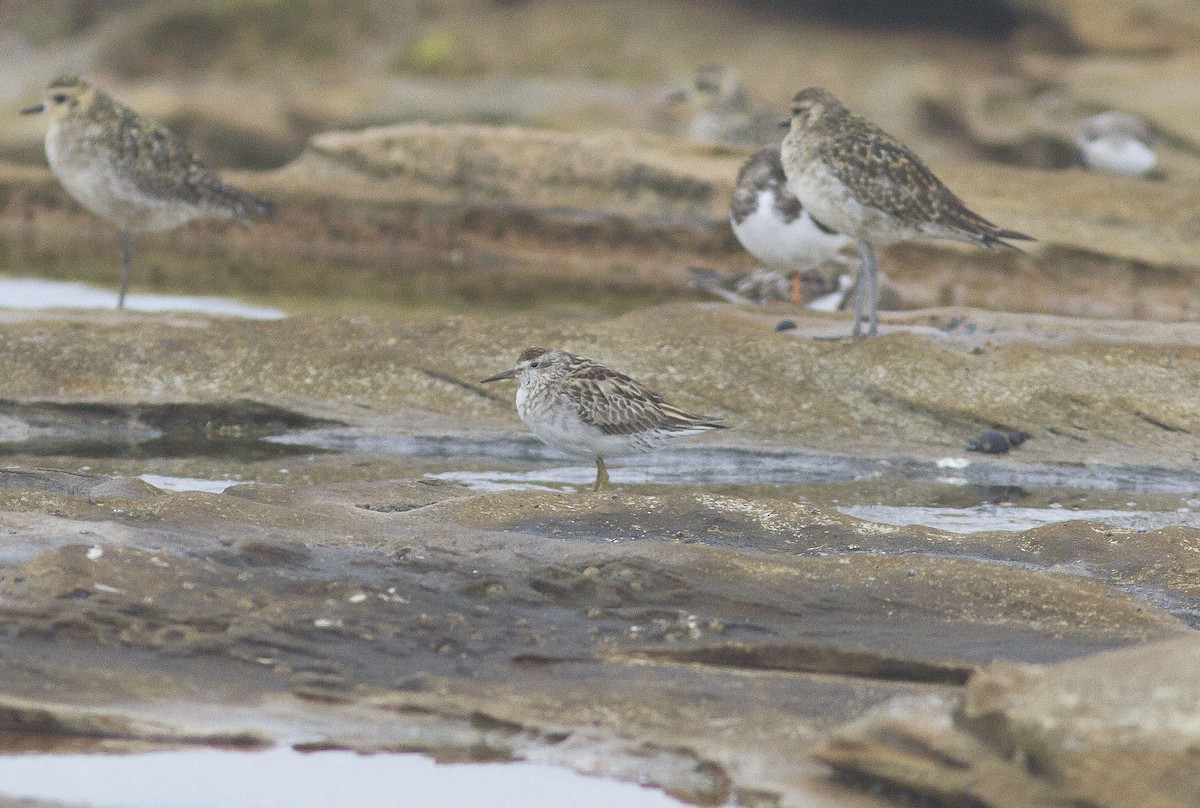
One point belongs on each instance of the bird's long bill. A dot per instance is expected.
(34, 110)
(785, 123)
(508, 374)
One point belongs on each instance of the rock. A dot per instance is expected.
(992, 441)
(1116, 729)
(1122, 26)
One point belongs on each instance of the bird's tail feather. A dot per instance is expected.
(996, 239)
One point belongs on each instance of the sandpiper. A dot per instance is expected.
(773, 226)
(860, 181)
(722, 109)
(580, 407)
(126, 168)
(1119, 143)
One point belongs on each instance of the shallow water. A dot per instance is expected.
(35, 293)
(167, 483)
(984, 518)
(709, 465)
(283, 777)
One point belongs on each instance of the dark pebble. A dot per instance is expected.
(992, 441)
(785, 325)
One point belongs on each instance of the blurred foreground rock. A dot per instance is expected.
(1114, 730)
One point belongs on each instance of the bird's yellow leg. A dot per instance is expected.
(601, 475)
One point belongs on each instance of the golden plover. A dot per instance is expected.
(580, 407)
(126, 168)
(862, 182)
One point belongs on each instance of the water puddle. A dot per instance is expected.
(285, 778)
(35, 293)
(719, 465)
(166, 483)
(1006, 518)
(963, 494)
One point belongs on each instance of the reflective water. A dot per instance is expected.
(1001, 517)
(284, 778)
(167, 483)
(520, 460)
(35, 293)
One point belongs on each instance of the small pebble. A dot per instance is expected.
(993, 441)
(785, 325)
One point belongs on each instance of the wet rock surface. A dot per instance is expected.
(394, 564)
(699, 638)
(1116, 728)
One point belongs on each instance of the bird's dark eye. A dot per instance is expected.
(535, 363)
(59, 98)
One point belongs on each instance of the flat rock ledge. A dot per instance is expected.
(1114, 730)
(625, 210)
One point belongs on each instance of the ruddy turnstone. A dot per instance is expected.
(773, 226)
(1119, 143)
(126, 168)
(860, 181)
(580, 407)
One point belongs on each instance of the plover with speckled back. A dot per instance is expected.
(580, 407)
(722, 109)
(1119, 143)
(860, 181)
(128, 169)
(773, 226)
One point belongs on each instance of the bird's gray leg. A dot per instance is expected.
(866, 298)
(601, 475)
(126, 262)
(860, 288)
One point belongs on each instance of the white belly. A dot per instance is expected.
(788, 245)
(95, 179)
(1119, 155)
(560, 427)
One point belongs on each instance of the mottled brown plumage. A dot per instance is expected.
(724, 111)
(862, 182)
(580, 407)
(128, 169)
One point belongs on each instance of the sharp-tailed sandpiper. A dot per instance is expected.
(580, 407)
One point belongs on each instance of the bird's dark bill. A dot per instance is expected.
(34, 110)
(508, 374)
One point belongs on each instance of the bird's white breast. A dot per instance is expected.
(102, 183)
(554, 420)
(779, 243)
(1119, 155)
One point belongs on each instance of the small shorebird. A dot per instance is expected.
(580, 407)
(128, 169)
(723, 110)
(773, 226)
(1118, 143)
(860, 181)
